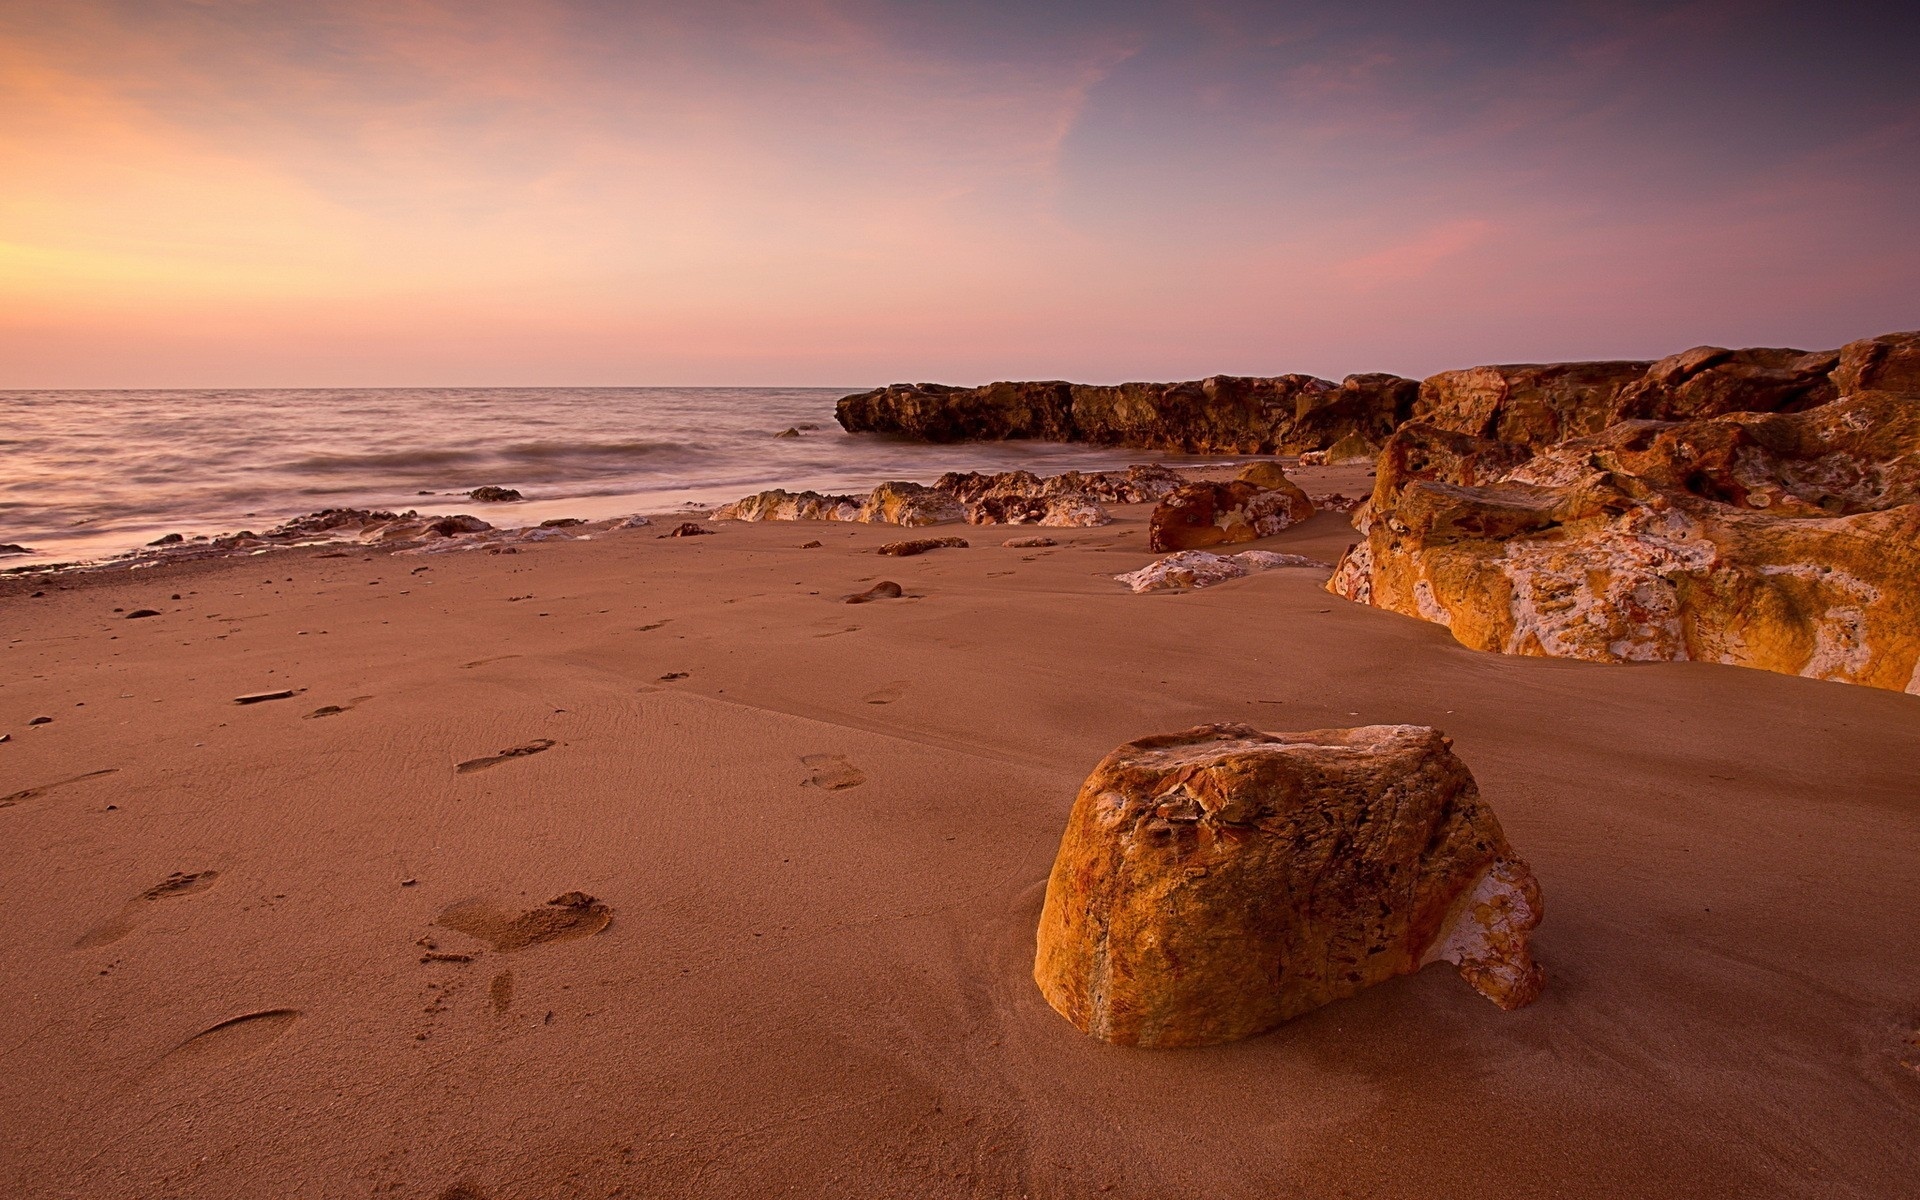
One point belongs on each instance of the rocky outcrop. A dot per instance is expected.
(1198, 515)
(495, 495)
(1135, 485)
(1889, 363)
(1528, 404)
(1362, 411)
(1214, 883)
(1008, 498)
(1786, 541)
(1192, 569)
(934, 412)
(910, 504)
(1708, 381)
(778, 504)
(1221, 414)
(1224, 413)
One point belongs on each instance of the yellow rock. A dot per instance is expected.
(1214, 883)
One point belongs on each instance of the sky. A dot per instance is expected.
(285, 193)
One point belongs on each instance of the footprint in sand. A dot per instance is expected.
(500, 991)
(887, 694)
(34, 793)
(511, 752)
(832, 772)
(566, 916)
(234, 1038)
(180, 883)
(481, 662)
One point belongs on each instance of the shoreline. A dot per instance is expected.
(306, 535)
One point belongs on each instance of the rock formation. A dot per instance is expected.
(778, 504)
(910, 504)
(922, 545)
(1529, 404)
(1198, 515)
(1708, 381)
(1191, 569)
(1009, 498)
(1222, 414)
(1214, 883)
(1888, 363)
(1785, 541)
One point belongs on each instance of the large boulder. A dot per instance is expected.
(1529, 404)
(1788, 542)
(1198, 515)
(1888, 363)
(1708, 381)
(1214, 883)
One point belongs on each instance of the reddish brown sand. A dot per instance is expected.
(822, 831)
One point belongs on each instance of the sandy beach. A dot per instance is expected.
(822, 833)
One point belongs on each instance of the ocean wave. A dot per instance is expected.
(517, 452)
(549, 450)
(385, 459)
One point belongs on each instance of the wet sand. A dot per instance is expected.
(254, 951)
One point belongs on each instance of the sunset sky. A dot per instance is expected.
(403, 192)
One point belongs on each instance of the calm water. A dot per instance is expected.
(87, 474)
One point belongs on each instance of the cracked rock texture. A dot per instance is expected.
(1214, 883)
(1784, 541)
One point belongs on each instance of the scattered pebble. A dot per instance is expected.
(670, 676)
(1028, 543)
(886, 589)
(143, 612)
(41, 721)
(922, 545)
(810, 545)
(686, 529)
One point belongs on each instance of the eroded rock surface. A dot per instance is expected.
(1214, 883)
(1784, 541)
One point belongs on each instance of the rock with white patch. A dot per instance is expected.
(1191, 569)
(1214, 883)
(1785, 541)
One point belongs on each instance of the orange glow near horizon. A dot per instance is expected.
(249, 194)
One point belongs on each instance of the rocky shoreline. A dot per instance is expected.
(1756, 507)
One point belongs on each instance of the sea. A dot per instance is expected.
(85, 475)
